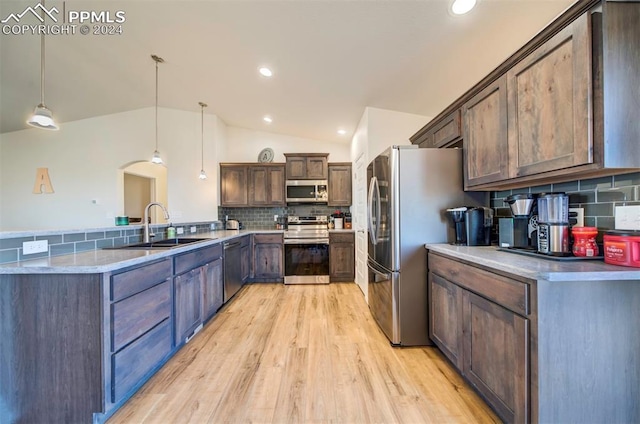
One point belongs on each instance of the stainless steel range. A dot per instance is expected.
(306, 250)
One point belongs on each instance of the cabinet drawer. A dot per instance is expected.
(341, 237)
(511, 294)
(198, 257)
(135, 362)
(135, 315)
(136, 280)
(267, 238)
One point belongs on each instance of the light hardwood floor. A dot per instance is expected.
(302, 354)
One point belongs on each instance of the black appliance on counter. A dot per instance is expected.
(520, 230)
(471, 225)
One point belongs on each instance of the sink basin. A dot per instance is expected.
(162, 244)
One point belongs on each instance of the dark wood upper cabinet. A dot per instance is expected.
(307, 166)
(444, 133)
(485, 135)
(233, 185)
(339, 184)
(549, 104)
(266, 185)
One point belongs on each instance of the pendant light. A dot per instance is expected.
(42, 117)
(203, 175)
(156, 154)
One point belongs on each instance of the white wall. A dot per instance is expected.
(244, 145)
(84, 159)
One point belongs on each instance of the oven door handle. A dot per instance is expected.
(307, 241)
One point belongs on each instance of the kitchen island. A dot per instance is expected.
(540, 340)
(80, 333)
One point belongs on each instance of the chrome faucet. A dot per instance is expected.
(147, 235)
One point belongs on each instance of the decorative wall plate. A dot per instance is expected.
(266, 155)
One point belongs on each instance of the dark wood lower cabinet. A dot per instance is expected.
(446, 318)
(268, 257)
(212, 288)
(342, 257)
(496, 357)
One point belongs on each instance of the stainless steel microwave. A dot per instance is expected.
(307, 191)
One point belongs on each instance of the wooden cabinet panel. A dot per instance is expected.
(135, 315)
(268, 256)
(339, 184)
(212, 288)
(317, 168)
(139, 279)
(131, 365)
(245, 258)
(341, 257)
(445, 321)
(233, 185)
(496, 356)
(306, 166)
(485, 135)
(266, 185)
(187, 300)
(191, 260)
(549, 104)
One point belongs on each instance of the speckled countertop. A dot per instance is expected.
(491, 258)
(106, 260)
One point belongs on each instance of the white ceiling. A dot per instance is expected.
(331, 59)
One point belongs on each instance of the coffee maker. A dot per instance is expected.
(517, 230)
(471, 225)
(553, 224)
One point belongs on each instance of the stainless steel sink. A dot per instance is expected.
(162, 244)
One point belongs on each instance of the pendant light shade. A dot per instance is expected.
(42, 117)
(203, 175)
(156, 154)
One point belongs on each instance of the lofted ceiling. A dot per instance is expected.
(330, 58)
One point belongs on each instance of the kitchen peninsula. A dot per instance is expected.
(540, 340)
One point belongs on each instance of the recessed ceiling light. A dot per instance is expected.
(267, 119)
(460, 7)
(265, 72)
(342, 132)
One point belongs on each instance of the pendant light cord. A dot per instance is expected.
(202, 136)
(42, 59)
(156, 105)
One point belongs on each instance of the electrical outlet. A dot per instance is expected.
(192, 229)
(579, 217)
(627, 217)
(31, 247)
(275, 218)
(179, 230)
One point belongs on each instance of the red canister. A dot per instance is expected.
(622, 247)
(584, 241)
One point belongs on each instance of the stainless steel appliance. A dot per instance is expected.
(232, 269)
(232, 224)
(306, 191)
(306, 250)
(553, 224)
(408, 191)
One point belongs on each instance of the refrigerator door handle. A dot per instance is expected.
(372, 228)
(375, 271)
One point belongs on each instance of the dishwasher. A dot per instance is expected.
(232, 269)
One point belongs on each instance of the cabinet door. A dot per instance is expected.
(342, 257)
(496, 356)
(549, 110)
(212, 289)
(258, 186)
(296, 167)
(233, 185)
(268, 256)
(339, 185)
(317, 168)
(445, 322)
(188, 309)
(277, 186)
(447, 131)
(245, 262)
(485, 135)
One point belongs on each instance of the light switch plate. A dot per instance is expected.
(627, 217)
(192, 229)
(180, 230)
(31, 247)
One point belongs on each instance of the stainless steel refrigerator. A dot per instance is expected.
(409, 189)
